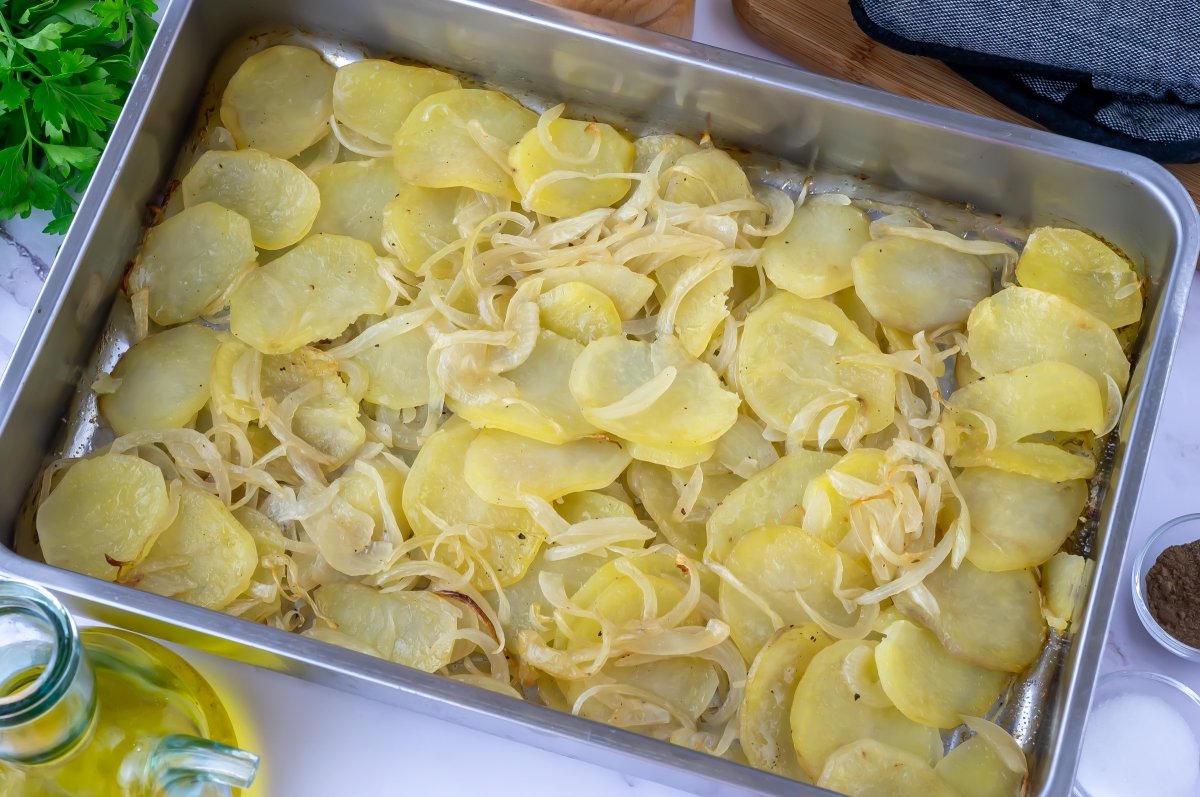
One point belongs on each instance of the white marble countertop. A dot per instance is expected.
(316, 742)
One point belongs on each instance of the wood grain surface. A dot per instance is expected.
(821, 35)
(666, 16)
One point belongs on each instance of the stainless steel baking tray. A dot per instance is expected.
(645, 81)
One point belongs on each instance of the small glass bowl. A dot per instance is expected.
(1141, 682)
(1183, 529)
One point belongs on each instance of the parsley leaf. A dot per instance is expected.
(66, 67)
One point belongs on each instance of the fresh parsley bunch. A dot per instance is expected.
(65, 69)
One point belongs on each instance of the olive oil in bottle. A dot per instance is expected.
(104, 713)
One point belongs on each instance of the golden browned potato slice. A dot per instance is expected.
(164, 380)
(773, 495)
(353, 197)
(312, 293)
(764, 718)
(579, 311)
(992, 620)
(278, 199)
(913, 285)
(411, 628)
(191, 260)
(418, 223)
(796, 351)
(827, 713)
(1083, 269)
(104, 515)
(279, 100)
(929, 685)
(374, 97)
(462, 138)
(205, 556)
(1018, 521)
(811, 257)
(504, 468)
(867, 768)
(567, 145)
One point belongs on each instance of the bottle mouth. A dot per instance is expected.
(39, 652)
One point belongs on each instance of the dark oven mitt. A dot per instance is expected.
(1125, 73)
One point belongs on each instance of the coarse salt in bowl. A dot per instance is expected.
(1142, 738)
(1178, 531)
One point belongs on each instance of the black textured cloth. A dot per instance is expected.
(1121, 73)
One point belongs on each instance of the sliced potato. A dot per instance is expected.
(773, 495)
(374, 97)
(191, 260)
(410, 628)
(827, 511)
(672, 147)
(592, 505)
(1065, 581)
(973, 769)
(1018, 521)
(164, 380)
(312, 293)
(279, 100)
(548, 412)
(579, 311)
(436, 493)
(589, 148)
(278, 199)
(764, 718)
(103, 516)
(704, 178)
(418, 223)
(1082, 268)
(992, 620)
(743, 450)
(358, 530)
(780, 565)
(694, 408)
(811, 257)
(929, 685)
(867, 768)
(672, 456)
(628, 289)
(462, 138)
(397, 369)
(353, 197)
(703, 307)
(205, 556)
(795, 351)
(503, 468)
(328, 421)
(826, 715)
(656, 491)
(1022, 326)
(1039, 460)
(913, 285)
(527, 593)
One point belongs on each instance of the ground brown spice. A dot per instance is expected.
(1173, 592)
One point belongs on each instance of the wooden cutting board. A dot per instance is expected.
(821, 35)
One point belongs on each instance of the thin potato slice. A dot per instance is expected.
(397, 369)
(764, 718)
(780, 565)
(992, 620)
(1083, 269)
(628, 289)
(1039, 460)
(703, 307)
(1065, 581)
(704, 178)
(328, 420)
(973, 769)
(826, 715)
(743, 450)
(527, 593)
(656, 491)
(504, 468)
(811, 257)
(436, 496)
(1018, 521)
(796, 351)
(373, 97)
(867, 768)
(567, 145)
(592, 505)
(103, 515)
(353, 197)
(546, 411)
(205, 556)
(418, 223)
(773, 495)
(1022, 326)
(312, 293)
(827, 511)
(692, 409)
(462, 138)
(410, 628)
(191, 260)
(164, 380)
(672, 456)
(579, 311)
(357, 531)
(278, 199)
(672, 147)
(929, 685)
(279, 100)
(914, 285)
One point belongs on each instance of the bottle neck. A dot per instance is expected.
(47, 691)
